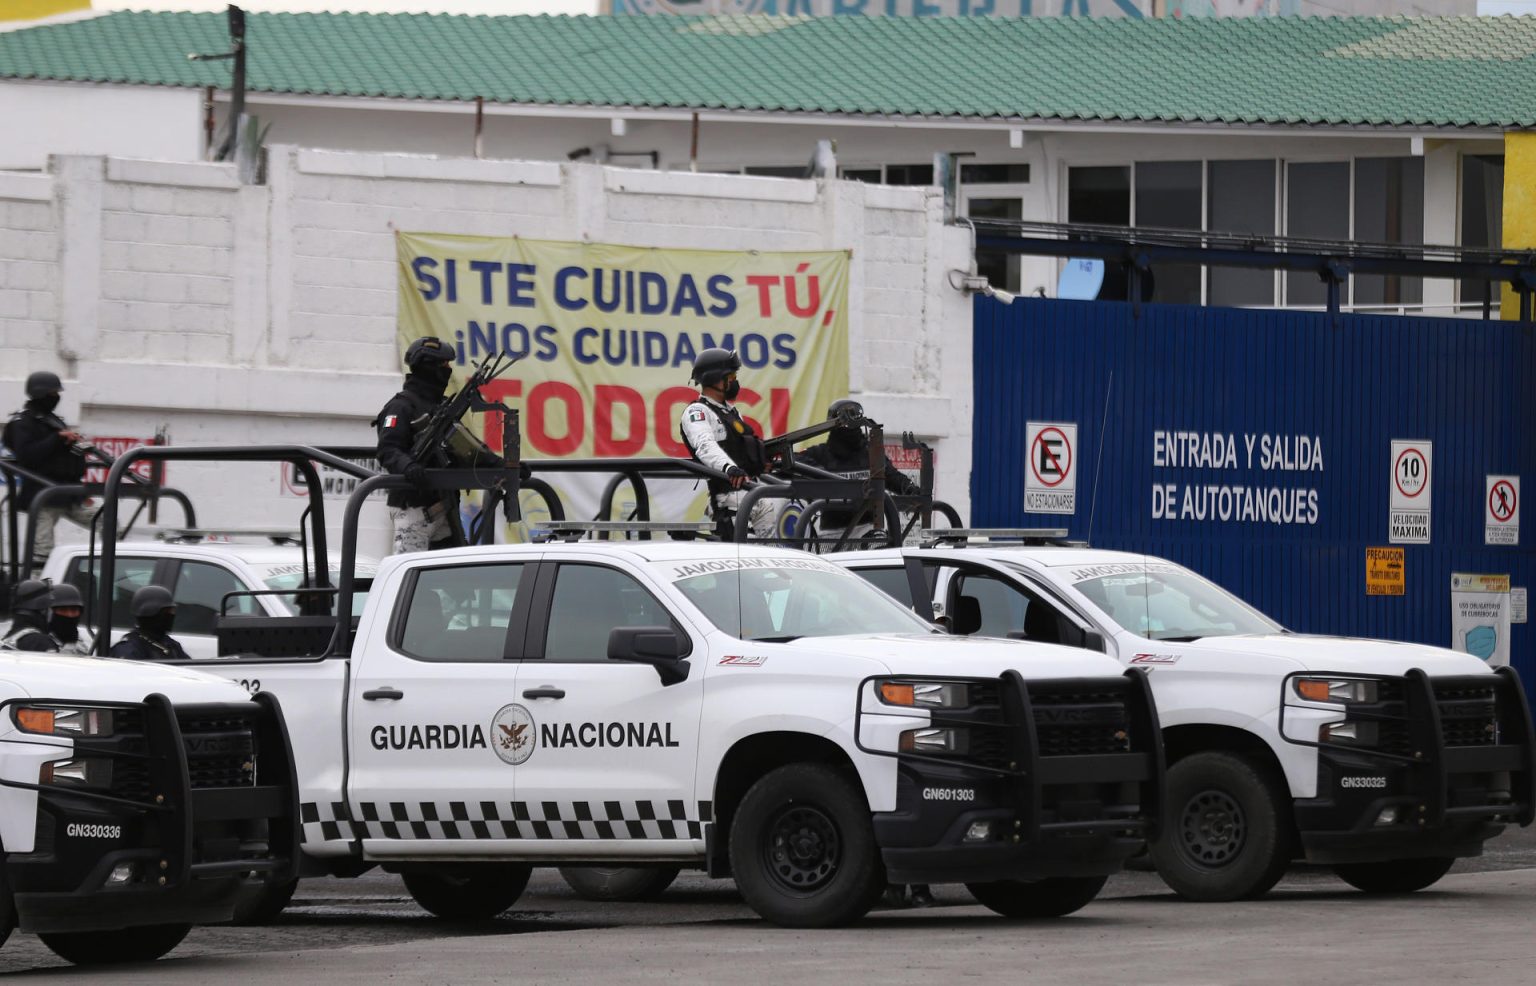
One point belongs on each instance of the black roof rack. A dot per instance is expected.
(577, 530)
(197, 535)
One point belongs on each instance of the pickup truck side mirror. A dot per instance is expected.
(660, 647)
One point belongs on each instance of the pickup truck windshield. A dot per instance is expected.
(774, 604)
(1168, 603)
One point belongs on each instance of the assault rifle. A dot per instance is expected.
(442, 437)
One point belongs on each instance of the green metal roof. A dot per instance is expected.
(1320, 71)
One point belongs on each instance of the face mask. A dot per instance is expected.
(437, 374)
(66, 628)
(47, 404)
(845, 439)
(160, 623)
(732, 389)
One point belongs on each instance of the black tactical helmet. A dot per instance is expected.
(42, 383)
(428, 349)
(846, 409)
(714, 365)
(32, 596)
(65, 594)
(150, 600)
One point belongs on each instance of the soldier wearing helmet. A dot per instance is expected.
(29, 631)
(44, 444)
(154, 611)
(419, 517)
(718, 437)
(67, 606)
(846, 452)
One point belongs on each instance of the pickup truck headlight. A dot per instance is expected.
(935, 741)
(92, 772)
(62, 720)
(925, 694)
(1340, 691)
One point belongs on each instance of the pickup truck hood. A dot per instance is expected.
(90, 679)
(1346, 654)
(937, 654)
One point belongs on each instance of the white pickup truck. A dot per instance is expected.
(748, 710)
(135, 800)
(1386, 760)
(199, 570)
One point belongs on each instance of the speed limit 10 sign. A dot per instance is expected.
(1412, 470)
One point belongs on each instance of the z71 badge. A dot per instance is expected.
(744, 660)
(1155, 659)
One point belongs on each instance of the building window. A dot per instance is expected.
(1240, 198)
(999, 268)
(1168, 196)
(1389, 208)
(1102, 197)
(868, 175)
(1482, 216)
(777, 171)
(994, 174)
(909, 174)
(1316, 208)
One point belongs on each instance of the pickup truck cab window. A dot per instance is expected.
(1165, 603)
(130, 574)
(588, 602)
(199, 592)
(460, 613)
(781, 604)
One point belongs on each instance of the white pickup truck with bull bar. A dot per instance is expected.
(739, 708)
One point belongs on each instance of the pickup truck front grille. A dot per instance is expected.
(1468, 716)
(221, 751)
(1080, 723)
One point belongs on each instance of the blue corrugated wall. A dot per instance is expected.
(1355, 383)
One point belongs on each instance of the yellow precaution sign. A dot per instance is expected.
(1384, 572)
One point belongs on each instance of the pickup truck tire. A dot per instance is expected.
(1052, 897)
(1226, 835)
(625, 883)
(468, 891)
(803, 848)
(261, 903)
(1394, 876)
(144, 944)
(7, 906)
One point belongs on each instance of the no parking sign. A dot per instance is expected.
(1050, 468)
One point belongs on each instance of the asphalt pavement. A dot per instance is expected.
(1473, 926)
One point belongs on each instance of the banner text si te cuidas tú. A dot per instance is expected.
(608, 334)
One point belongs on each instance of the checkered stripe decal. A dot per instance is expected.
(329, 821)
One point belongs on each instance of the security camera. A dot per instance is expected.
(1006, 297)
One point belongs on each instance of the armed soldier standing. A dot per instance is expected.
(44, 444)
(718, 437)
(47, 620)
(846, 453)
(425, 518)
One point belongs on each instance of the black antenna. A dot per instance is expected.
(1093, 505)
(237, 83)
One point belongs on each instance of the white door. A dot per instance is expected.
(428, 773)
(612, 769)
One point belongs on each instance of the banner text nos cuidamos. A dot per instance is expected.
(608, 334)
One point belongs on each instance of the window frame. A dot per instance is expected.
(516, 622)
(536, 630)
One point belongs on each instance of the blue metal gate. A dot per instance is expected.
(1348, 386)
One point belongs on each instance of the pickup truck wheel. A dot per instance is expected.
(1226, 835)
(143, 944)
(1394, 876)
(468, 892)
(803, 848)
(7, 906)
(261, 903)
(625, 883)
(1052, 897)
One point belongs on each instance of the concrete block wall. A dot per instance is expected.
(169, 293)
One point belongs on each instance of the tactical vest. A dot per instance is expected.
(741, 443)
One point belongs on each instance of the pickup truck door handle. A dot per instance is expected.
(544, 692)
(374, 694)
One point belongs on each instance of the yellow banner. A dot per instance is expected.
(608, 334)
(28, 10)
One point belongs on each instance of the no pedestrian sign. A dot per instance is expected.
(1050, 470)
(1412, 463)
(1502, 523)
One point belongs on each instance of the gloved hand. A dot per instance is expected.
(416, 475)
(737, 476)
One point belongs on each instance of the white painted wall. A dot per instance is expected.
(167, 293)
(39, 119)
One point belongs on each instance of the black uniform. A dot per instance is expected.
(397, 434)
(848, 456)
(139, 644)
(29, 632)
(33, 435)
